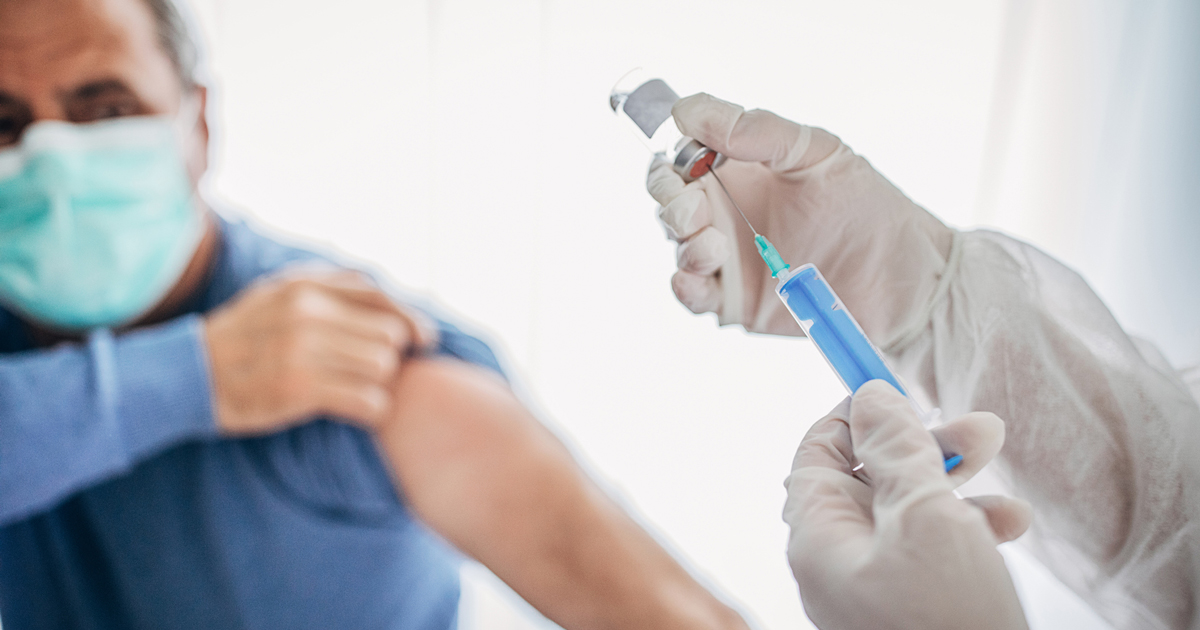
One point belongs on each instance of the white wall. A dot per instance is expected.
(465, 147)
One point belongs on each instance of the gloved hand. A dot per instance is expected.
(816, 201)
(901, 551)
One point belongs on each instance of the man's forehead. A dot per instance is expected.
(64, 42)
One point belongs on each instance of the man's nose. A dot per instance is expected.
(47, 107)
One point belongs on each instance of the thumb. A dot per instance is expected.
(901, 457)
(752, 136)
(1009, 518)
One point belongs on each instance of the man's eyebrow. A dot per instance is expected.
(100, 88)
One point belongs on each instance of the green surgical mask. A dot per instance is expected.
(97, 221)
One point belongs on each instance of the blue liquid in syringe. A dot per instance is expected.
(839, 338)
(826, 321)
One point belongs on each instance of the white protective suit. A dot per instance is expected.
(1103, 436)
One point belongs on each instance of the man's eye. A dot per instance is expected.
(102, 109)
(11, 128)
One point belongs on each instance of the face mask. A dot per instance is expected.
(97, 221)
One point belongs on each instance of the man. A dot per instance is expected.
(1101, 431)
(202, 428)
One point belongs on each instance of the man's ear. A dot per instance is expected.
(197, 158)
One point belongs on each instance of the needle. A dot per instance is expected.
(765, 249)
(730, 197)
(771, 256)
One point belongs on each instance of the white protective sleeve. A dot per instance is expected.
(1103, 436)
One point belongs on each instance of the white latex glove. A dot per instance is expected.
(815, 200)
(1103, 433)
(902, 552)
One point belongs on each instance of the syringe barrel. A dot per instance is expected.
(833, 329)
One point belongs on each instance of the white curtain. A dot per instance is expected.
(1094, 153)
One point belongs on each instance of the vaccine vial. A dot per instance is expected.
(643, 103)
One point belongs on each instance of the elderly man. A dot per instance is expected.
(199, 431)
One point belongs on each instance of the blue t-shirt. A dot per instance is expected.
(121, 507)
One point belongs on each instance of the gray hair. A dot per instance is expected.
(176, 39)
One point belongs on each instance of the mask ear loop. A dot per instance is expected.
(184, 125)
(187, 118)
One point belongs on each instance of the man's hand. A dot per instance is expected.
(308, 344)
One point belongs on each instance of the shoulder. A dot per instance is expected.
(249, 253)
(246, 254)
(460, 345)
(455, 339)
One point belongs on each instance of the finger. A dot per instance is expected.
(753, 136)
(700, 294)
(829, 513)
(686, 215)
(343, 355)
(1009, 518)
(407, 328)
(351, 318)
(420, 331)
(364, 293)
(704, 253)
(827, 446)
(425, 335)
(826, 507)
(827, 443)
(352, 299)
(662, 182)
(361, 402)
(317, 270)
(350, 284)
(901, 457)
(976, 436)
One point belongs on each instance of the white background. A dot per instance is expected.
(466, 147)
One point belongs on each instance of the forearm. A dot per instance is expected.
(481, 471)
(80, 413)
(1099, 440)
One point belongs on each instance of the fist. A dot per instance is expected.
(307, 344)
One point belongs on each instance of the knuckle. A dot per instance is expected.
(307, 304)
(685, 215)
(395, 329)
(704, 253)
(290, 286)
(387, 360)
(381, 363)
(367, 401)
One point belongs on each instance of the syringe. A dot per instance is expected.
(824, 318)
(646, 103)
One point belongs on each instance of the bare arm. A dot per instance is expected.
(480, 470)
